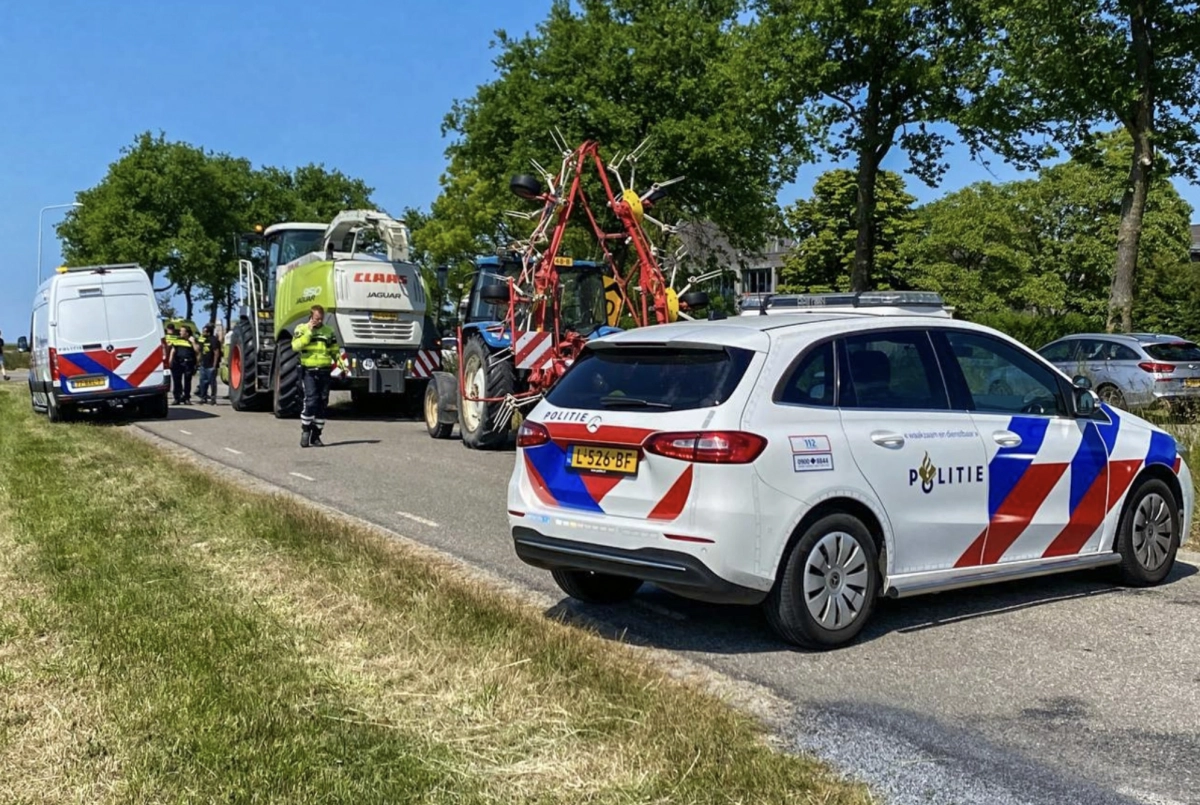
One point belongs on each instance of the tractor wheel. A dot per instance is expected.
(694, 299)
(289, 391)
(243, 369)
(436, 428)
(483, 377)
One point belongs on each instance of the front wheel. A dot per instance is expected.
(827, 588)
(596, 588)
(289, 389)
(436, 428)
(1148, 534)
(1111, 395)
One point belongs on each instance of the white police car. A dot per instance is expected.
(813, 461)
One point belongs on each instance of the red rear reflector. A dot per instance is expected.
(708, 447)
(1161, 368)
(532, 434)
(681, 538)
(515, 513)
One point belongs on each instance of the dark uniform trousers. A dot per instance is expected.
(316, 398)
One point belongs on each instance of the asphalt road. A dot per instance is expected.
(1066, 690)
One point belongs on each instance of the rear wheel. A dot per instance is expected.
(155, 407)
(436, 428)
(484, 376)
(828, 584)
(596, 588)
(243, 370)
(289, 391)
(1148, 534)
(53, 412)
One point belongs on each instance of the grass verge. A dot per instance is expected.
(200, 642)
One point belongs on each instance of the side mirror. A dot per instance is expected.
(22, 344)
(442, 273)
(1086, 402)
(1081, 382)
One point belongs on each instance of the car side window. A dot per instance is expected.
(1004, 379)
(1120, 352)
(1091, 350)
(810, 382)
(1058, 353)
(891, 370)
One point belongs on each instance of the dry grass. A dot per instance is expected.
(243, 647)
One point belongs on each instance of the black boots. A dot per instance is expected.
(310, 436)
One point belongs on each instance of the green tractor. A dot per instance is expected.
(375, 302)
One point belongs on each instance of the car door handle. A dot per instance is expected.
(885, 438)
(1006, 438)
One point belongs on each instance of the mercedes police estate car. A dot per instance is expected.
(813, 461)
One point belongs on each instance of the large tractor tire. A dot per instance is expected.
(484, 377)
(289, 390)
(243, 369)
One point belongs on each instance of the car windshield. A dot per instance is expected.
(1173, 351)
(651, 378)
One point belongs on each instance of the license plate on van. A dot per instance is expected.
(89, 383)
(619, 460)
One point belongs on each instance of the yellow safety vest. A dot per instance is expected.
(318, 349)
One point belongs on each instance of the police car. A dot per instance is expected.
(813, 461)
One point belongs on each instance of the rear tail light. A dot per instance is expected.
(53, 364)
(1158, 368)
(708, 447)
(532, 434)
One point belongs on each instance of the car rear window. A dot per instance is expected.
(1174, 351)
(651, 378)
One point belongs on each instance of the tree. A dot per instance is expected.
(866, 76)
(1068, 65)
(826, 230)
(616, 71)
(1043, 245)
(176, 210)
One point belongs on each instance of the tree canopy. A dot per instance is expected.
(177, 209)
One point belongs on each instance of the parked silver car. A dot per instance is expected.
(1128, 371)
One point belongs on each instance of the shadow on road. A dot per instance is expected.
(348, 442)
(662, 620)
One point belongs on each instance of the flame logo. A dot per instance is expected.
(927, 471)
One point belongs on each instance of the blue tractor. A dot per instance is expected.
(497, 378)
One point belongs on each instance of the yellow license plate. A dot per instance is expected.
(89, 383)
(385, 316)
(1192, 382)
(621, 460)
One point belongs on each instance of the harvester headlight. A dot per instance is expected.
(368, 364)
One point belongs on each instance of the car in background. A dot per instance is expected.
(1129, 371)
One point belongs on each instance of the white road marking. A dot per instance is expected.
(185, 432)
(231, 450)
(420, 520)
(300, 475)
(1148, 797)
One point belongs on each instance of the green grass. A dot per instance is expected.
(166, 636)
(15, 360)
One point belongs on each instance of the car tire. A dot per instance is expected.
(433, 424)
(596, 588)
(1110, 394)
(53, 412)
(1148, 534)
(827, 586)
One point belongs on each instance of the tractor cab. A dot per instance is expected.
(587, 296)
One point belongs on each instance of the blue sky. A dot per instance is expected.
(362, 88)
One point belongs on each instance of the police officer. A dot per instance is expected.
(316, 344)
(184, 350)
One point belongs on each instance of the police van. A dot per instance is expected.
(97, 341)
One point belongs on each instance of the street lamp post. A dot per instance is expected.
(39, 250)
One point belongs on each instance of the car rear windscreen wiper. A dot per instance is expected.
(621, 401)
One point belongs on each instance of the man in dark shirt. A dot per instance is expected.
(210, 359)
